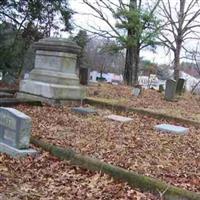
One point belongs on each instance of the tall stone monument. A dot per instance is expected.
(54, 75)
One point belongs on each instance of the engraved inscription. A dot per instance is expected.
(7, 120)
(9, 136)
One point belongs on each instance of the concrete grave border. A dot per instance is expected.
(145, 183)
(104, 103)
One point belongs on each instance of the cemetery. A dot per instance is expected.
(132, 144)
(51, 117)
(87, 115)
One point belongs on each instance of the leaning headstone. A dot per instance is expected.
(180, 86)
(84, 111)
(171, 129)
(119, 118)
(170, 90)
(15, 132)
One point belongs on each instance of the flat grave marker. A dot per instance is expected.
(15, 131)
(171, 129)
(84, 111)
(119, 118)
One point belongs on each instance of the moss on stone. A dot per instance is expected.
(133, 179)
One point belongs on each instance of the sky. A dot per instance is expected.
(82, 19)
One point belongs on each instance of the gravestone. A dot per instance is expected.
(84, 75)
(136, 91)
(180, 85)
(84, 111)
(15, 131)
(171, 129)
(119, 118)
(54, 77)
(161, 88)
(170, 90)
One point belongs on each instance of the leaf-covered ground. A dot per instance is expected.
(134, 145)
(46, 178)
(187, 106)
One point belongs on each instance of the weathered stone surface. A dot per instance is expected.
(136, 92)
(15, 130)
(170, 90)
(180, 86)
(119, 118)
(5, 95)
(54, 75)
(57, 44)
(4, 148)
(84, 111)
(52, 91)
(171, 129)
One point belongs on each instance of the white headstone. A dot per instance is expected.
(136, 91)
(171, 129)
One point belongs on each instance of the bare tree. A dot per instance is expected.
(99, 56)
(135, 28)
(180, 24)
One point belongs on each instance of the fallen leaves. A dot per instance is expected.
(187, 106)
(44, 177)
(134, 145)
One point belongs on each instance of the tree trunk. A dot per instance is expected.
(136, 66)
(177, 60)
(128, 71)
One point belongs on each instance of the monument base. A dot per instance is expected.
(28, 97)
(51, 91)
(4, 148)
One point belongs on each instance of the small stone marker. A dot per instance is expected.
(84, 111)
(171, 129)
(161, 88)
(170, 90)
(180, 86)
(137, 89)
(15, 131)
(119, 118)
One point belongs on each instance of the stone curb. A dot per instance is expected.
(133, 179)
(11, 91)
(115, 106)
(14, 101)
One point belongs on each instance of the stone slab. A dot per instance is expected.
(84, 111)
(5, 95)
(119, 118)
(4, 148)
(172, 129)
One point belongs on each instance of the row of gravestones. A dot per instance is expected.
(161, 127)
(15, 129)
(173, 87)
